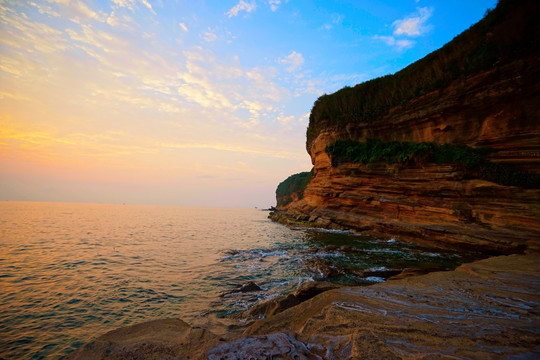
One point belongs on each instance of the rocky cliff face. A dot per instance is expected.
(439, 204)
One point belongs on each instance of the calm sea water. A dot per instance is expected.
(71, 272)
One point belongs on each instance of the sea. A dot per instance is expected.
(71, 272)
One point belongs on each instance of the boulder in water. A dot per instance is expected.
(323, 268)
(249, 287)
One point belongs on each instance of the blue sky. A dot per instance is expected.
(188, 102)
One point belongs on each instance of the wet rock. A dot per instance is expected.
(159, 339)
(274, 306)
(379, 272)
(348, 248)
(323, 268)
(310, 289)
(271, 307)
(292, 347)
(453, 314)
(273, 346)
(249, 287)
(415, 272)
(484, 310)
(309, 251)
(231, 252)
(329, 248)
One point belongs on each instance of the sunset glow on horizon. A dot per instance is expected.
(197, 103)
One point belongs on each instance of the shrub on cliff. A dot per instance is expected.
(293, 184)
(374, 150)
(473, 159)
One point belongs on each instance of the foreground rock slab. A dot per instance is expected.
(489, 309)
(159, 339)
(274, 306)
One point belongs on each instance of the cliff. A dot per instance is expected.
(488, 100)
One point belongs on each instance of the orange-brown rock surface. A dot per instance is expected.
(489, 309)
(484, 310)
(440, 204)
(427, 203)
(159, 339)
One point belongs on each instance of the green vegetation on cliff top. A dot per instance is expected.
(472, 159)
(293, 184)
(491, 42)
(499, 38)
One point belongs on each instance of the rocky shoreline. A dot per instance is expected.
(458, 200)
(480, 239)
(488, 309)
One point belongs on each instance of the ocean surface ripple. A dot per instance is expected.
(71, 272)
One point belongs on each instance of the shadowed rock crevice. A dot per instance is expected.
(274, 306)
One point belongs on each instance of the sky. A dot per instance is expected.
(190, 103)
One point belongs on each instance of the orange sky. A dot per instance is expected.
(92, 113)
(180, 103)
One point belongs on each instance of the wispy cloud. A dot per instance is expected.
(132, 4)
(336, 19)
(231, 148)
(413, 25)
(399, 44)
(241, 6)
(44, 9)
(25, 35)
(147, 4)
(100, 88)
(293, 61)
(327, 27)
(117, 21)
(209, 35)
(274, 4)
(79, 8)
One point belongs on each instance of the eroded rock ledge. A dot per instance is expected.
(488, 309)
(441, 205)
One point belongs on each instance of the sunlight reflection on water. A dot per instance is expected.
(70, 272)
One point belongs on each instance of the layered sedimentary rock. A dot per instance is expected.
(443, 315)
(424, 202)
(428, 204)
(159, 339)
(488, 309)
